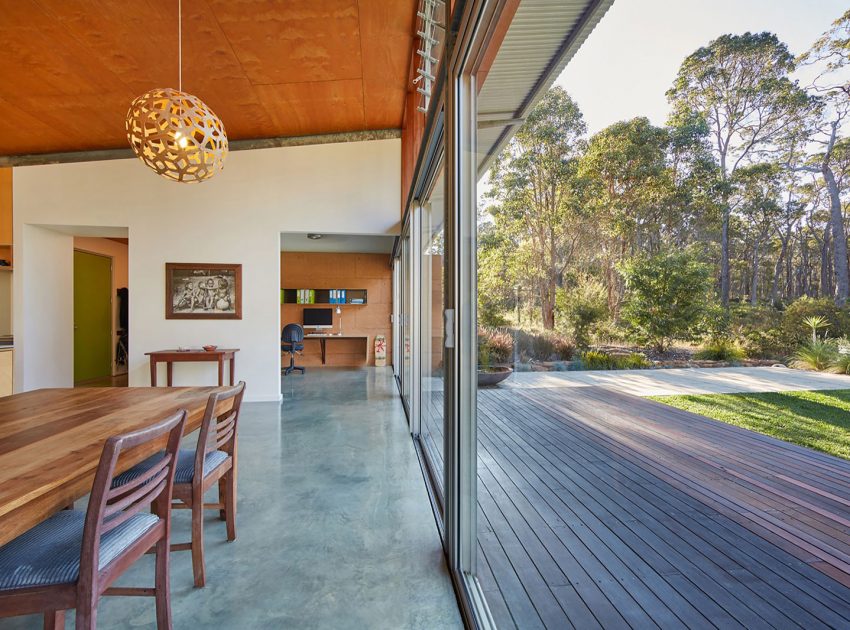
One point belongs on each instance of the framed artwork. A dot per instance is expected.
(203, 291)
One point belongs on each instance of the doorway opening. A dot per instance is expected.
(101, 295)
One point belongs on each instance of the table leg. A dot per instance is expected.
(169, 368)
(220, 371)
(322, 344)
(153, 372)
(232, 369)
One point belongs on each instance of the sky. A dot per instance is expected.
(631, 59)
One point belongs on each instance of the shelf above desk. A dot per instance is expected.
(353, 297)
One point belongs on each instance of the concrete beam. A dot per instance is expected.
(35, 159)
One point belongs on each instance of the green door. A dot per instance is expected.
(92, 316)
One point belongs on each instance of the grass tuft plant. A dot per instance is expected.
(817, 355)
(720, 349)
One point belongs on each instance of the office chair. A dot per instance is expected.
(292, 341)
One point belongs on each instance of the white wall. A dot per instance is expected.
(43, 317)
(235, 218)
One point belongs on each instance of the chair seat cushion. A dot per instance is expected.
(49, 553)
(289, 347)
(185, 471)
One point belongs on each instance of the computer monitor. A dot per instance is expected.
(318, 318)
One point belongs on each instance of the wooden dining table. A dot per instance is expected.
(51, 441)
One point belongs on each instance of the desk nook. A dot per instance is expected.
(342, 301)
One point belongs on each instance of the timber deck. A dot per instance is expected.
(600, 509)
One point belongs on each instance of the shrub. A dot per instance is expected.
(794, 319)
(633, 361)
(564, 348)
(818, 355)
(489, 314)
(841, 364)
(581, 307)
(598, 360)
(494, 346)
(720, 349)
(543, 346)
(668, 296)
(764, 344)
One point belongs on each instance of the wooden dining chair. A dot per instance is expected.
(71, 559)
(212, 461)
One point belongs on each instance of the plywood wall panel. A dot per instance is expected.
(308, 270)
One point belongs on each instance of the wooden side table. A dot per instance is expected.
(170, 357)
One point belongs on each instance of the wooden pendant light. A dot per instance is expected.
(174, 133)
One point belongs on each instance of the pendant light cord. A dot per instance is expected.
(180, 44)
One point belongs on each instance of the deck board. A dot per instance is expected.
(599, 509)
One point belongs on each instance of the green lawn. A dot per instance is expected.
(818, 420)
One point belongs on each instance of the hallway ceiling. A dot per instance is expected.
(70, 68)
(337, 243)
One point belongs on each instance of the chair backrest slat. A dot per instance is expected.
(225, 430)
(218, 429)
(137, 494)
(109, 507)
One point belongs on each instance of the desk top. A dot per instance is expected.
(51, 441)
(192, 352)
(332, 336)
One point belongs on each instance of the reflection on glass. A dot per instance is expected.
(407, 366)
(431, 343)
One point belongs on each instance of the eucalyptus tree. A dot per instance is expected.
(830, 54)
(739, 85)
(534, 193)
(629, 189)
(757, 190)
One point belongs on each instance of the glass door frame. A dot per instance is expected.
(472, 33)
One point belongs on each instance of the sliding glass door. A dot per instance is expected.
(406, 326)
(432, 331)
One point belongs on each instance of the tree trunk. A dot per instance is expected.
(724, 259)
(777, 273)
(547, 303)
(754, 284)
(825, 288)
(839, 237)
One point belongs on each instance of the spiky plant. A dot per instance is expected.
(818, 355)
(816, 322)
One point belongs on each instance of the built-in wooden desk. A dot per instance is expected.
(170, 357)
(323, 338)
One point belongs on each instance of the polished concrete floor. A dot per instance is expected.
(334, 529)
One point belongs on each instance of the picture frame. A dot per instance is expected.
(203, 291)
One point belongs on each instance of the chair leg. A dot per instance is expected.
(230, 504)
(54, 620)
(198, 541)
(86, 617)
(222, 513)
(163, 586)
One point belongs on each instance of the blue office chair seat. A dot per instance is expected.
(292, 341)
(49, 553)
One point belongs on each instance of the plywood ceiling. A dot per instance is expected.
(70, 68)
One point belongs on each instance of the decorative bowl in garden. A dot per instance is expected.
(490, 376)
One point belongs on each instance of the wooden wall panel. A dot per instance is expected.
(310, 270)
(267, 68)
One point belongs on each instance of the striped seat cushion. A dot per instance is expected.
(49, 553)
(185, 466)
